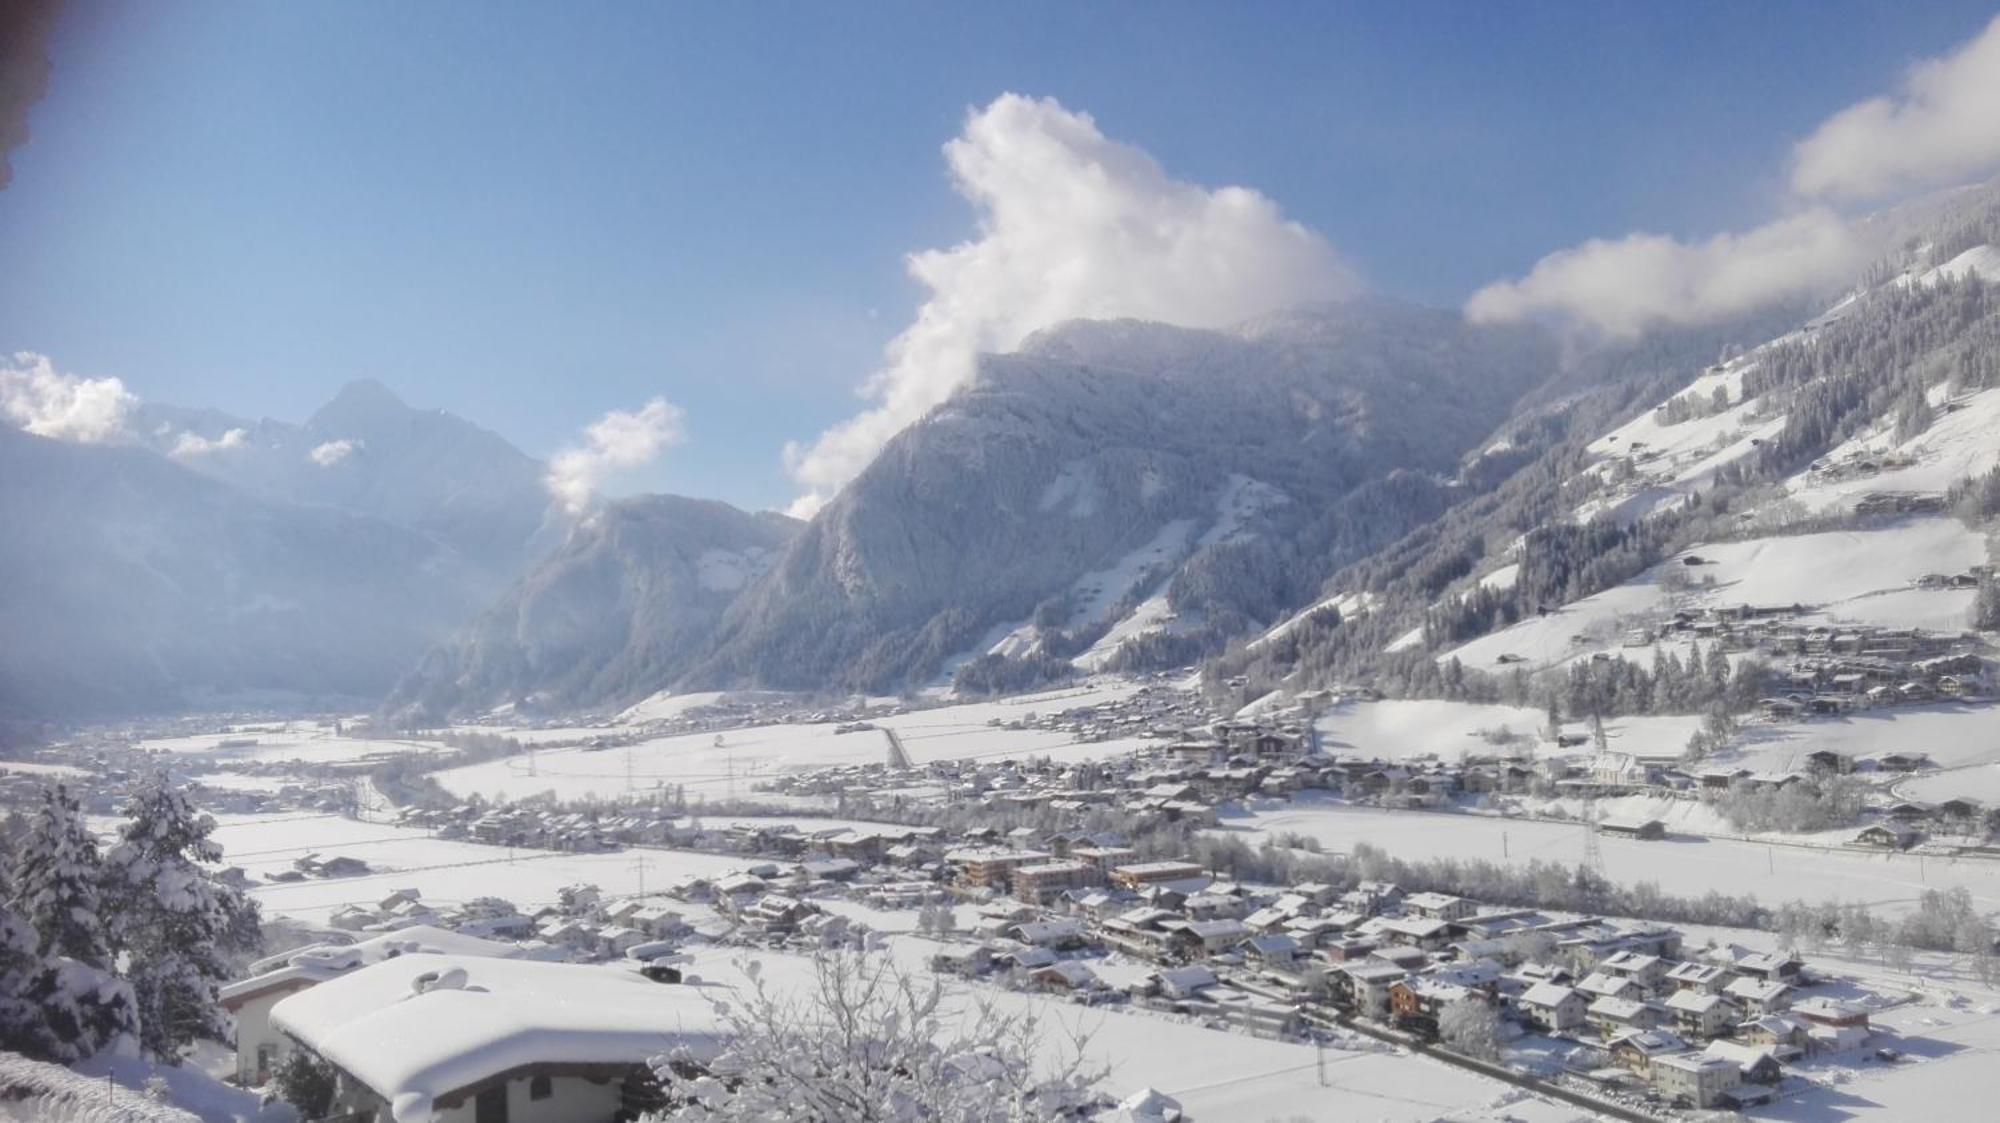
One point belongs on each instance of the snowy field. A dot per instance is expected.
(1953, 735)
(446, 872)
(1401, 729)
(1851, 576)
(1681, 865)
(303, 742)
(744, 756)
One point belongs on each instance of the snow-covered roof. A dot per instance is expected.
(319, 962)
(415, 1028)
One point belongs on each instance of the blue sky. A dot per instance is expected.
(530, 214)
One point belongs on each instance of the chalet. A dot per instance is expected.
(1638, 1049)
(249, 1001)
(965, 960)
(1366, 985)
(1700, 977)
(1755, 1064)
(1887, 836)
(1614, 1016)
(1061, 934)
(1180, 982)
(1647, 829)
(1438, 906)
(1776, 967)
(1646, 970)
(1695, 1079)
(1699, 1015)
(465, 1037)
(1414, 931)
(1276, 950)
(1822, 1011)
(1067, 975)
(1758, 997)
(1551, 1007)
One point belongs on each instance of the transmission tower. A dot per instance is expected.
(1593, 850)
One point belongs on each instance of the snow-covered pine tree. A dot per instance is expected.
(172, 919)
(52, 1008)
(56, 879)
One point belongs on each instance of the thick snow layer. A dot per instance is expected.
(445, 872)
(1953, 736)
(1215, 1074)
(1681, 865)
(1349, 604)
(310, 743)
(1862, 576)
(1982, 262)
(412, 1043)
(666, 704)
(1964, 441)
(745, 756)
(1402, 729)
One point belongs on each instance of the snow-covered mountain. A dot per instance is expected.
(620, 608)
(130, 583)
(209, 560)
(1121, 490)
(1844, 465)
(368, 452)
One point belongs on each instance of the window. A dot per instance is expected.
(540, 1088)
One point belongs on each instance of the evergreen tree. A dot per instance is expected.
(56, 881)
(172, 920)
(54, 1008)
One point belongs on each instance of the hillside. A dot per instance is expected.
(619, 608)
(145, 586)
(1837, 468)
(1124, 494)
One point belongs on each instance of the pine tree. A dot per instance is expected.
(172, 920)
(56, 881)
(54, 1008)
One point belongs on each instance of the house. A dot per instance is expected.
(965, 960)
(1182, 982)
(1700, 1015)
(1756, 1064)
(1758, 997)
(1645, 829)
(461, 1037)
(1060, 933)
(1421, 932)
(1551, 1007)
(249, 1001)
(1888, 836)
(1067, 975)
(1366, 985)
(1695, 976)
(1143, 874)
(1612, 1017)
(1785, 1035)
(1638, 1049)
(1438, 906)
(1044, 881)
(1822, 1011)
(1773, 967)
(1695, 1080)
(1646, 970)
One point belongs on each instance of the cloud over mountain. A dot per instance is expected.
(1943, 126)
(35, 396)
(617, 441)
(1071, 224)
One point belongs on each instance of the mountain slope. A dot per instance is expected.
(133, 584)
(1106, 467)
(369, 453)
(618, 609)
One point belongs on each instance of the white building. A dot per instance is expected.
(462, 1039)
(249, 1001)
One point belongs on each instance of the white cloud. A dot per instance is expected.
(194, 444)
(333, 452)
(37, 397)
(1623, 286)
(1942, 127)
(1071, 225)
(616, 441)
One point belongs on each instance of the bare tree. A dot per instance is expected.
(867, 1042)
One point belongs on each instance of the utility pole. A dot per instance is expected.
(1503, 845)
(1593, 851)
